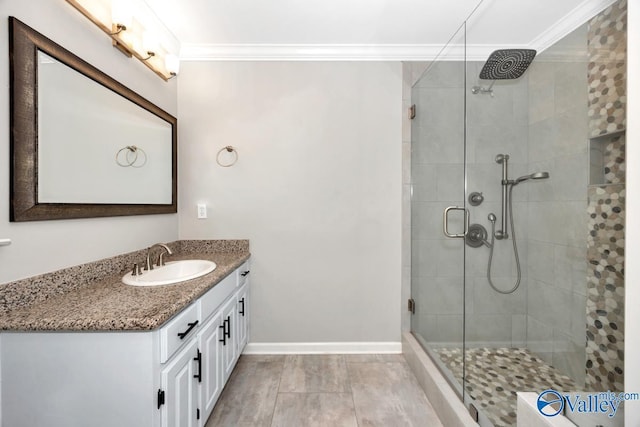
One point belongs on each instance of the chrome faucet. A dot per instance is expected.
(160, 262)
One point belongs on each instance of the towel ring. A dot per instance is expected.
(229, 149)
(127, 161)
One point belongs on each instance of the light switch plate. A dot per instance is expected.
(202, 210)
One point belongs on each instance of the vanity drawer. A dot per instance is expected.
(243, 273)
(178, 331)
(210, 301)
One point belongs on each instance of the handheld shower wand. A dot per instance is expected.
(507, 212)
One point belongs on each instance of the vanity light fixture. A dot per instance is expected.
(173, 65)
(135, 31)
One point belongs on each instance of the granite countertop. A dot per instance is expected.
(108, 304)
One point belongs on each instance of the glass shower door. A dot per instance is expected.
(438, 206)
(532, 298)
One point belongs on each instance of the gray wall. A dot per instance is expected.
(44, 246)
(317, 190)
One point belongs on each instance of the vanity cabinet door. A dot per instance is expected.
(229, 340)
(211, 346)
(180, 383)
(243, 317)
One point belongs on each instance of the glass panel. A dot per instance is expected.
(546, 151)
(535, 298)
(437, 170)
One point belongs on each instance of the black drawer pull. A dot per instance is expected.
(243, 274)
(192, 325)
(198, 359)
(227, 321)
(241, 307)
(224, 335)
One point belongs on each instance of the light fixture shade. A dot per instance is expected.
(121, 13)
(150, 42)
(136, 31)
(98, 11)
(172, 64)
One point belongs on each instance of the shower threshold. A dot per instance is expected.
(435, 378)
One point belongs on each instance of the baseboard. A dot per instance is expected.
(391, 347)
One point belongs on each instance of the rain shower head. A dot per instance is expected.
(506, 64)
(536, 175)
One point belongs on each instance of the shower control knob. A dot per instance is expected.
(475, 198)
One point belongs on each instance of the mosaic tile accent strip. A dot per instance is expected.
(495, 375)
(607, 75)
(614, 164)
(605, 288)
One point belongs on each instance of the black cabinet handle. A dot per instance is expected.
(224, 335)
(241, 307)
(192, 325)
(245, 273)
(228, 323)
(198, 359)
(160, 398)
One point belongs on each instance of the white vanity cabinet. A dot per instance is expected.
(212, 382)
(178, 398)
(243, 316)
(170, 377)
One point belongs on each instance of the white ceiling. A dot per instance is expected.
(364, 29)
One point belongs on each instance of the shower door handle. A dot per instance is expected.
(445, 221)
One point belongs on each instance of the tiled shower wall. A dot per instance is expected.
(495, 125)
(543, 121)
(606, 208)
(558, 143)
(436, 165)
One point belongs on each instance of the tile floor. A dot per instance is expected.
(323, 391)
(494, 375)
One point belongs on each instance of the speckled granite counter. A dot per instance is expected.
(93, 297)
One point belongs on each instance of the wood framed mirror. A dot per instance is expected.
(82, 144)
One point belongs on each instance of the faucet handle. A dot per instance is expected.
(136, 270)
(160, 262)
(149, 265)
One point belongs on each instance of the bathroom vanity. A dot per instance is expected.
(144, 357)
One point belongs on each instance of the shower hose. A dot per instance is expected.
(515, 250)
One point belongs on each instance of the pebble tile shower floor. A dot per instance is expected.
(494, 375)
(323, 391)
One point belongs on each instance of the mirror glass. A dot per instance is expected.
(83, 144)
(95, 146)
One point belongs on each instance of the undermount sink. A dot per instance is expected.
(171, 272)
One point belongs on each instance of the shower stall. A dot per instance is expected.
(517, 216)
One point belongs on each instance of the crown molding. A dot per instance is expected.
(299, 52)
(388, 52)
(572, 20)
(308, 52)
(335, 52)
